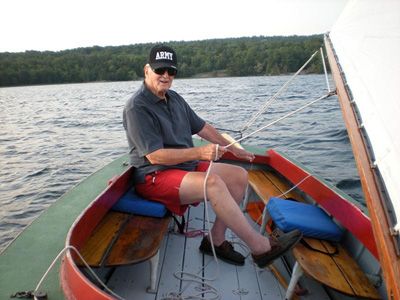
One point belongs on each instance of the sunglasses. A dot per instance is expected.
(161, 71)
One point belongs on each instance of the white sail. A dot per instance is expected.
(366, 39)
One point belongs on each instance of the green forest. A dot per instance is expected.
(247, 56)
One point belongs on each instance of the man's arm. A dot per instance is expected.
(177, 156)
(205, 152)
(210, 134)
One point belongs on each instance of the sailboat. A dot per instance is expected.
(367, 250)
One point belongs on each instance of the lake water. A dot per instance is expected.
(52, 137)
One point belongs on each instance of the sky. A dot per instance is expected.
(66, 24)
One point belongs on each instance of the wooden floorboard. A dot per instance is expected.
(262, 283)
(173, 262)
(193, 259)
(181, 253)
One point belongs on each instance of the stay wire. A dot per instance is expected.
(275, 96)
(280, 119)
(293, 187)
(194, 278)
(286, 192)
(326, 73)
(69, 247)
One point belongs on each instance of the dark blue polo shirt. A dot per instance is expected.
(152, 123)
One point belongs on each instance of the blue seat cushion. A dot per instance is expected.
(311, 220)
(130, 202)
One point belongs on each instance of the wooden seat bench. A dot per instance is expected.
(339, 272)
(123, 238)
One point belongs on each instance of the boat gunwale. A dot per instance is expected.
(327, 197)
(69, 263)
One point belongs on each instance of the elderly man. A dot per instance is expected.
(159, 126)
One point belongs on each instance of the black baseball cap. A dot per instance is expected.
(162, 56)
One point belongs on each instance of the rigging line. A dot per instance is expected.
(281, 118)
(206, 210)
(196, 279)
(293, 187)
(69, 247)
(230, 130)
(202, 279)
(326, 73)
(273, 98)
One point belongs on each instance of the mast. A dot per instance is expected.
(370, 180)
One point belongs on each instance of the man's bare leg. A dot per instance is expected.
(225, 207)
(236, 180)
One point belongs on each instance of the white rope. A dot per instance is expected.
(280, 119)
(293, 187)
(194, 278)
(206, 210)
(69, 247)
(216, 153)
(274, 97)
(284, 193)
(326, 73)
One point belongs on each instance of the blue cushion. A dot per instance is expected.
(311, 220)
(130, 202)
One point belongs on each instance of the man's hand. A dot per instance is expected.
(241, 153)
(212, 152)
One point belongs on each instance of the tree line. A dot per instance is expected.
(247, 56)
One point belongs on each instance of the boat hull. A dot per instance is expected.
(77, 286)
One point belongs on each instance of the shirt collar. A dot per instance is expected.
(148, 94)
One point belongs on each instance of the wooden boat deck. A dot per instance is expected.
(180, 253)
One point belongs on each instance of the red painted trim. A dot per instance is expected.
(75, 285)
(259, 159)
(88, 220)
(348, 214)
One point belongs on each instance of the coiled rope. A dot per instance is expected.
(194, 278)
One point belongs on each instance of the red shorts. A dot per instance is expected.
(163, 186)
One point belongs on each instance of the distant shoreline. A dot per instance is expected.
(239, 57)
(208, 75)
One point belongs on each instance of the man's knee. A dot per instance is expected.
(244, 174)
(241, 175)
(214, 180)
